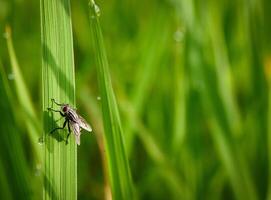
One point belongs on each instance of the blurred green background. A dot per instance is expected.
(193, 84)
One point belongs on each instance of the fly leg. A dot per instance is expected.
(51, 109)
(60, 127)
(68, 133)
(54, 101)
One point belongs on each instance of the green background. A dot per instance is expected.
(192, 80)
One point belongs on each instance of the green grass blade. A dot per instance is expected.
(168, 172)
(32, 124)
(148, 69)
(179, 82)
(268, 76)
(119, 172)
(228, 161)
(92, 108)
(240, 180)
(224, 74)
(4, 185)
(58, 82)
(15, 170)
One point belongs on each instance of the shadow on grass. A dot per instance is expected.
(67, 7)
(51, 124)
(61, 78)
(49, 188)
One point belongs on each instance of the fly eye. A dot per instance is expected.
(64, 109)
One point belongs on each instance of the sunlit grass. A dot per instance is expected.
(181, 108)
(58, 82)
(119, 171)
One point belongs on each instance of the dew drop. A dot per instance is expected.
(96, 9)
(178, 36)
(98, 98)
(41, 141)
(38, 169)
(38, 166)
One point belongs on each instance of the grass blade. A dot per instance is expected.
(268, 77)
(15, 170)
(179, 82)
(4, 186)
(224, 74)
(119, 172)
(148, 70)
(32, 124)
(58, 82)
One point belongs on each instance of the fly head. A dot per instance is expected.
(65, 108)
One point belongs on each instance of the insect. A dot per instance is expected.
(72, 119)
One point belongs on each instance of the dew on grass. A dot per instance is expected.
(178, 35)
(38, 169)
(96, 9)
(41, 141)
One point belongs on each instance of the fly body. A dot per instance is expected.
(72, 119)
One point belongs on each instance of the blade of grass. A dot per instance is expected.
(16, 170)
(169, 173)
(92, 108)
(240, 180)
(268, 76)
(119, 172)
(179, 95)
(58, 82)
(4, 185)
(224, 75)
(148, 68)
(228, 99)
(230, 158)
(32, 122)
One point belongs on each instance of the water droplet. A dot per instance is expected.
(98, 98)
(41, 141)
(11, 76)
(38, 166)
(38, 169)
(178, 35)
(96, 9)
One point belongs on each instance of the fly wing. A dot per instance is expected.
(83, 124)
(76, 131)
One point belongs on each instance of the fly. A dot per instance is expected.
(72, 119)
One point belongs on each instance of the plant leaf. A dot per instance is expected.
(58, 82)
(119, 172)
